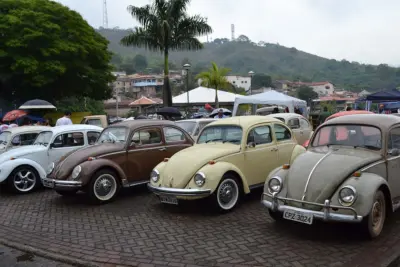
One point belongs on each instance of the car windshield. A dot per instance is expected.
(221, 133)
(113, 134)
(43, 138)
(4, 138)
(188, 126)
(349, 135)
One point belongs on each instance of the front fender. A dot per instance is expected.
(280, 172)
(89, 168)
(8, 166)
(214, 173)
(297, 150)
(366, 185)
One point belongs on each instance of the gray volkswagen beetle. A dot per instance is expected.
(349, 173)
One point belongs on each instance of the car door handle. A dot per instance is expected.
(274, 149)
(162, 149)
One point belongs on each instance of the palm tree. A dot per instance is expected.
(214, 78)
(165, 27)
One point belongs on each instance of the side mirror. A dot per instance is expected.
(251, 144)
(394, 152)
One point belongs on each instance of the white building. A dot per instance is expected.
(237, 81)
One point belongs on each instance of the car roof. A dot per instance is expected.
(382, 121)
(244, 121)
(197, 120)
(21, 129)
(346, 113)
(74, 127)
(285, 115)
(134, 124)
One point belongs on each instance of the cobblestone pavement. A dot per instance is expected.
(14, 258)
(137, 230)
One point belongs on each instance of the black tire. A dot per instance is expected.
(111, 177)
(372, 225)
(65, 193)
(276, 215)
(231, 184)
(26, 175)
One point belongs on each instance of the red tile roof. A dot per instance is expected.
(145, 101)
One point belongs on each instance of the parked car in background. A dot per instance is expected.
(124, 155)
(300, 126)
(348, 174)
(194, 126)
(19, 136)
(231, 157)
(21, 168)
(97, 120)
(269, 110)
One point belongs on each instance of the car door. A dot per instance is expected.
(64, 143)
(294, 124)
(175, 140)
(148, 150)
(393, 163)
(285, 143)
(306, 129)
(260, 155)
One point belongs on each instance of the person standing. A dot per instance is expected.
(66, 120)
(220, 114)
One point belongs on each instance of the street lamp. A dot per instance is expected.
(251, 74)
(186, 67)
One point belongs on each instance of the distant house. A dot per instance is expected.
(282, 84)
(364, 93)
(237, 81)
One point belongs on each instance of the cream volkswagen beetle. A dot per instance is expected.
(349, 174)
(230, 158)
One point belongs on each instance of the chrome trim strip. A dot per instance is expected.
(110, 154)
(372, 165)
(135, 183)
(311, 173)
(178, 191)
(62, 184)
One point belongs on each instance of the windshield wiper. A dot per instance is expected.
(231, 141)
(213, 140)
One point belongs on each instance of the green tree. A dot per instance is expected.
(306, 93)
(80, 104)
(214, 78)
(49, 51)
(261, 80)
(140, 62)
(165, 27)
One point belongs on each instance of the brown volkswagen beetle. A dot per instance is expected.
(124, 155)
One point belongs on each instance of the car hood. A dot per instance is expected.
(182, 166)
(329, 170)
(69, 161)
(20, 152)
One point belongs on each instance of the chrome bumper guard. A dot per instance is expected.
(61, 184)
(178, 192)
(324, 215)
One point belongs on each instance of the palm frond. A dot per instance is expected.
(142, 14)
(141, 38)
(189, 43)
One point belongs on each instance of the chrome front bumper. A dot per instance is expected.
(178, 192)
(325, 215)
(61, 184)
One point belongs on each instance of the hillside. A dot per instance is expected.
(277, 61)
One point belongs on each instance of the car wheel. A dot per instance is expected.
(275, 215)
(23, 180)
(373, 223)
(67, 193)
(227, 194)
(103, 186)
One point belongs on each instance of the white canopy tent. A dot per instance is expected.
(271, 97)
(204, 95)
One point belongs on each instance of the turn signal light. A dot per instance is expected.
(286, 166)
(211, 162)
(357, 174)
(12, 158)
(166, 159)
(91, 158)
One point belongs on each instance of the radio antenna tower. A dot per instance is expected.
(105, 15)
(232, 32)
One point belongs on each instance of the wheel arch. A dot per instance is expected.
(388, 198)
(240, 180)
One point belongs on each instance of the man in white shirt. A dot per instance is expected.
(220, 114)
(66, 120)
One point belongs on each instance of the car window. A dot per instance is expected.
(221, 133)
(201, 126)
(188, 126)
(282, 133)
(69, 140)
(92, 137)
(24, 139)
(260, 135)
(173, 135)
(114, 134)
(95, 122)
(394, 138)
(281, 119)
(147, 137)
(294, 123)
(304, 124)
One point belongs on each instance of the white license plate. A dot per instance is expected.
(47, 183)
(298, 216)
(169, 200)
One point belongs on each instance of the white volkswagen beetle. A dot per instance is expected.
(19, 136)
(21, 169)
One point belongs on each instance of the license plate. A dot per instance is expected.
(298, 216)
(47, 183)
(169, 200)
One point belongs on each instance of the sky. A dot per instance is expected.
(356, 30)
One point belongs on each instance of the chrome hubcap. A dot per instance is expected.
(24, 180)
(377, 214)
(228, 194)
(105, 187)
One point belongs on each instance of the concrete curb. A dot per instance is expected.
(48, 255)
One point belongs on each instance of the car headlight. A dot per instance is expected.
(76, 171)
(50, 168)
(199, 179)
(155, 176)
(275, 184)
(347, 195)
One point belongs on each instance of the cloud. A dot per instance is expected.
(356, 30)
